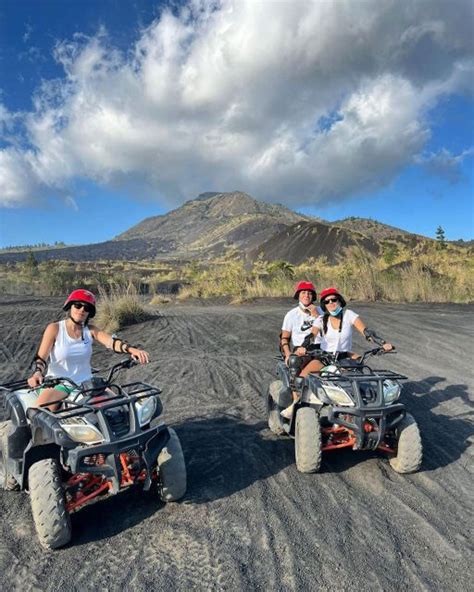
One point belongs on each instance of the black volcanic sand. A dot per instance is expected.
(250, 521)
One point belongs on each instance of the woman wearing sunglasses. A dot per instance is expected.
(335, 326)
(67, 345)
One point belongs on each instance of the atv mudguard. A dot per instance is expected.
(283, 375)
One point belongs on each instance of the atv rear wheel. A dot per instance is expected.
(409, 448)
(48, 504)
(171, 470)
(307, 441)
(275, 422)
(7, 482)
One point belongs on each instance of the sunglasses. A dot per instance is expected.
(331, 300)
(79, 305)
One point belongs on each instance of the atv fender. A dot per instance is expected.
(283, 374)
(14, 410)
(33, 454)
(152, 450)
(280, 394)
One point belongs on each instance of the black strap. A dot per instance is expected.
(39, 364)
(326, 318)
(124, 345)
(284, 341)
(82, 324)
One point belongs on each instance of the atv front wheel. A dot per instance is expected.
(275, 422)
(6, 481)
(48, 504)
(307, 441)
(409, 448)
(171, 470)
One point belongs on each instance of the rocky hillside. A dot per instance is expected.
(203, 227)
(125, 250)
(377, 230)
(215, 221)
(313, 239)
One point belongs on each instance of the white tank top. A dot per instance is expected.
(71, 357)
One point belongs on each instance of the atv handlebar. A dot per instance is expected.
(328, 358)
(371, 335)
(52, 382)
(126, 363)
(376, 351)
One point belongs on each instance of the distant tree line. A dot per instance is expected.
(36, 247)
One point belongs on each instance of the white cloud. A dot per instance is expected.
(17, 180)
(291, 101)
(445, 164)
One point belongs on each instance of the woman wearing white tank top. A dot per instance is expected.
(68, 346)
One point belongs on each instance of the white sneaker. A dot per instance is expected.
(288, 412)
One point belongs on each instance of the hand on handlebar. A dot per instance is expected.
(388, 347)
(35, 380)
(139, 355)
(300, 351)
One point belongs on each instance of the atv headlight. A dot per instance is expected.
(338, 395)
(391, 391)
(81, 431)
(145, 407)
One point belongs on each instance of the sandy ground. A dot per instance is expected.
(249, 520)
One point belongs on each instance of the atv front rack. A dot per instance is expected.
(374, 375)
(125, 395)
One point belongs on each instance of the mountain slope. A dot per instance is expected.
(313, 239)
(216, 220)
(206, 226)
(202, 227)
(377, 230)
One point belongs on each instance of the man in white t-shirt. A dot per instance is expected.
(297, 325)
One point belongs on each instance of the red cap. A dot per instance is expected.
(304, 286)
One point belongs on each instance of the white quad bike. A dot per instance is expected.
(103, 439)
(346, 405)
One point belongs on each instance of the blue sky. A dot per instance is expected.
(114, 110)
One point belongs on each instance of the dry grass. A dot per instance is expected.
(434, 276)
(160, 299)
(424, 274)
(119, 308)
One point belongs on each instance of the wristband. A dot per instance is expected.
(369, 334)
(123, 345)
(39, 365)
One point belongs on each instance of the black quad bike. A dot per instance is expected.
(346, 404)
(104, 438)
